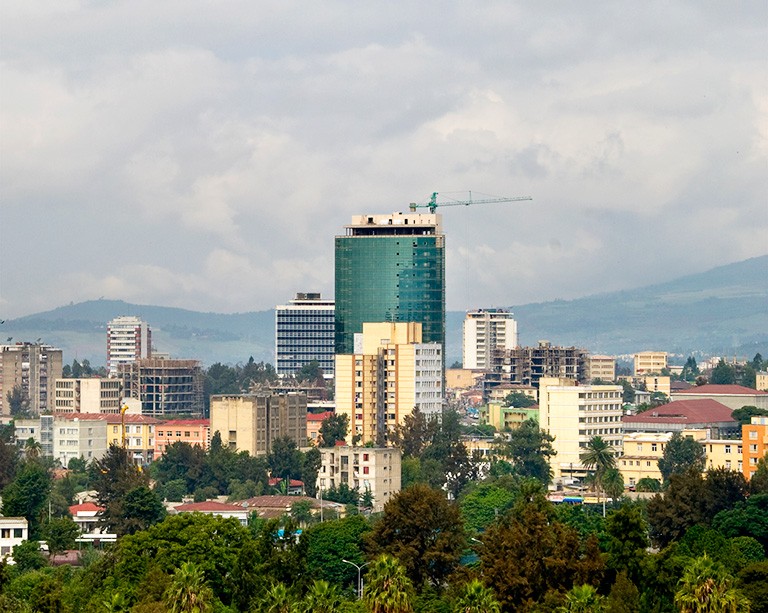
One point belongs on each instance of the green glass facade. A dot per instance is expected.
(390, 273)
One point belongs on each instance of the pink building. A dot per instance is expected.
(192, 431)
(314, 421)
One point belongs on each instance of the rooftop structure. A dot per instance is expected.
(165, 387)
(732, 396)
(304, 332)
(685, 415)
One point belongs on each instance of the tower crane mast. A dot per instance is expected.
(433, 204)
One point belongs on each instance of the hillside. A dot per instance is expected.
(722, 311)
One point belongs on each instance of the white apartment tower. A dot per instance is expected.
(304, 332)
(485, 330)
(128, 339)
(29, 368)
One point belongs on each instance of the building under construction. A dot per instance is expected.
(526, 365)
(165, 387)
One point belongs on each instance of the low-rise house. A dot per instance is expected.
(314, 423)
(219, 509)
(86, 516)
(196, 432)
(13, 531)
(271, 507)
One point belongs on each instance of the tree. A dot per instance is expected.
(483, 504)
(690, 370)
(334, 428)
(141, 508)
(530, 449)
(310, 372)
(18, 402)
(284, 459)
(277, 599)
(627, 541)
(474, 597)
(60, 534)
(705, 588)
(681, 506)
(322, 597)
(723, 374)
(648, 484)
(582, 599)
(387, 587)
(753, 582)
(311, 461)
(114, 476)
(758, 484)
(628, 392)
(9, 458)
(758, 363)
(745, 414)
(612, 483)
(189, 592)
(519, 400)
(424, 531)
(27, 495)
(599, 458)
(414, 434)
(748, 376)
(680, 454)
(330, 542)
(748, 518)
(624, 596)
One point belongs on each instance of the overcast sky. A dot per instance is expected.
(204, 154)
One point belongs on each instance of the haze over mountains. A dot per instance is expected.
(723, 311)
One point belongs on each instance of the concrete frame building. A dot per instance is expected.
(527, 365)
(91, 395)
(128, 339)
(377, 469)
(602, 367)
(165, 387)
(485, 330)
(251, 422)
(390, 373)
(304, 332)
(32, 368)
(390, 268)
(574, 414)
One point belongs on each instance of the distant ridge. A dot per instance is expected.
(723, 311)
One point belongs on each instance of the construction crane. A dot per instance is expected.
(433, 204)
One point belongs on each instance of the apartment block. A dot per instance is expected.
(165, 387)
(390, 373)
(527, 365)
(377, 469)
(128, 339)
(91, 395)
(32, 368)
(761, 381)
(304, 332)
(650, 362)
(64, 436)
(754, 438)
(251, 422)
(485, 330)
(643, 450)
(574, 414)
(601, 367)
(196, 432)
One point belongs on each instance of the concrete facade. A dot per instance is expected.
(91, 395)
(485, 330)
(196, 432)
(128, 339)
(732, 396)
(649, 363)
(304, 332)
(167, 388)
(602, 367)
(13, 531)
(754, 444)
(32, 368)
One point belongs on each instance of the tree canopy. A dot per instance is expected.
(680, 454)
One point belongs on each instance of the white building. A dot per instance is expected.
(485, 330)
(304, 332)
(574, 414)
(13, 531)
(377, 469)
(90, 395)
(65, 436)
(128, 339)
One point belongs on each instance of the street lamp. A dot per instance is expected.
(359, 577)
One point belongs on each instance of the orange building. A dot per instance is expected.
(754, 438)
(314, 422)
(192, 431)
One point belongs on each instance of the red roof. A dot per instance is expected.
(208, 506)
(187, 422)
(86, 507)
(273, 481)
(700, 411)
(319, 416)
(730, 390)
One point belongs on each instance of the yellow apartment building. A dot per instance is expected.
(602, 367)
(761, 381)
(506, 418)
(390, 373)
(139, 435)
(650, 362)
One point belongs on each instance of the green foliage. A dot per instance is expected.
(18, 402)
(758, 484)
(334, 428)
(284, 459)
(706, 587)
(387, 587)
(343, 494)
(322, 597)
(582, 599)
(27, 495)
(628, 392)
(723, 374)
(627, 541)
(330, 542)
(748, 518)
(648, 484)
(27, 556)
(60, 534)
(189, 592)
(141, 508)
(681, 453)
(422, 530)
(530, 448)
(753, 583)
(519, 400)
(690, 370)
(624, 596)
(311, 461)
(484, 504)
(173, 491)
(745, 414)
(474, 597)
(9, 458)
(414, 434)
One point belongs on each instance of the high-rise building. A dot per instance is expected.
(165, 387)
(390, 268)
(650, 362)
(304, 332)
(526, 365)
(31, 369)
(91, 395)
(251, 422)
(602, 367)
(128, 339)
(485, 330)
(390, 373)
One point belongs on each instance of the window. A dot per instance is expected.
(186, 434)
(728, 449)
(653, 446)
(753, 435)
(365, 470)
(159, 433)
(5, 533)
(365, 457)
(18, 533)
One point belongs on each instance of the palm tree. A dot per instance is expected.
(321, 598)
(189, 592)
(276, 599)
(598, 457)
(387, 589)
(583, 599)
(32, 448)
(117, 603)
(476, 598)
(706, 588)
(613, 483)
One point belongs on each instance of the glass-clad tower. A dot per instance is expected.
(390, 268)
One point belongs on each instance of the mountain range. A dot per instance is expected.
(723, 311)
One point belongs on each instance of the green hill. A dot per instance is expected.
(723, 311)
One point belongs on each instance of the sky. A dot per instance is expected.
(204, 154)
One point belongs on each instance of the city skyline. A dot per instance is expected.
(205, 158)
